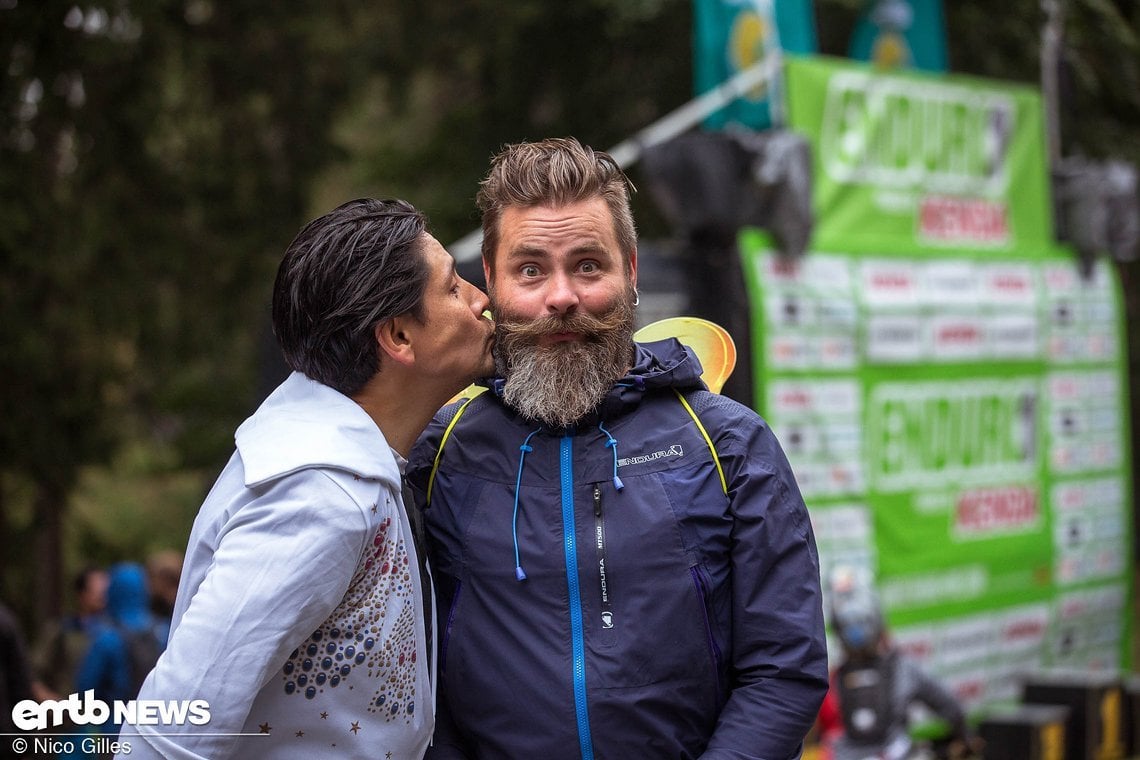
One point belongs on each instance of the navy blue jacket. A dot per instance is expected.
(659, 616)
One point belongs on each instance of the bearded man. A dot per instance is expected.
(626, 567)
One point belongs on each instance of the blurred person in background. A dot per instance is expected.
(62, 644)
(627, 565)
(302, 614)
(125, 645)
(866, 713)
(163, 569)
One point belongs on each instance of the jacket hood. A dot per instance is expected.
(305, 424)
(127, 597)
(659, 364)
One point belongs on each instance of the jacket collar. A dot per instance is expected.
(305, 424)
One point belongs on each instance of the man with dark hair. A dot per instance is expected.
(63, 643)
(628, 564)
(300, 616)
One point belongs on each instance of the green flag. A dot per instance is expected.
(901, 34)
(731, 35)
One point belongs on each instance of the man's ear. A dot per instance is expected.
(394, 340)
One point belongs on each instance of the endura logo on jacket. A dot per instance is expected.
(673, 451)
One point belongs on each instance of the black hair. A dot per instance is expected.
(344, 273)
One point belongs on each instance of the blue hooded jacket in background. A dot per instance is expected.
(108, 667)
(603, 595)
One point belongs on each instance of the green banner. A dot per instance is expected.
(957, 426)
(956, 415)
(917, 160)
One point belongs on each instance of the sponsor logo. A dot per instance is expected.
(994, 510)
(948, 139)
(922, 435)
(945, 219)
(673, 451)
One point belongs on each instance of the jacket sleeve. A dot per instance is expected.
(280, 567)
(930, 692)
(779, 651)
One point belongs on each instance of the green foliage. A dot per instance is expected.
(154, 501)
(156, 159)
(467, 78)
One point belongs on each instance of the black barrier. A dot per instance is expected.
(1097, 724)
(1025, 732)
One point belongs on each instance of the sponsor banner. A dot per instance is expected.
(981, 658)
(970, 449)
(921, 160)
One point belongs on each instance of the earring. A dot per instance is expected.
(636, 298)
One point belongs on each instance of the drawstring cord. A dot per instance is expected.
(520, 574)
(524, 449)
(611, 443)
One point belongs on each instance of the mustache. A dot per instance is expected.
(594, 328)
(560, 384)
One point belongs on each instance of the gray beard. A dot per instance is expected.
(561, 383)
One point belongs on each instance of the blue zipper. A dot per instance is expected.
(576, 634)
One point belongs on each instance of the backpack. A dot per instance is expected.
(866, 698)
(143, 648)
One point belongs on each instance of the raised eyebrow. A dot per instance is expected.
(589, 249)
(528, 252)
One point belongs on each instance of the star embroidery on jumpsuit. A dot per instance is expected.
(264, 728)
(355, 727)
